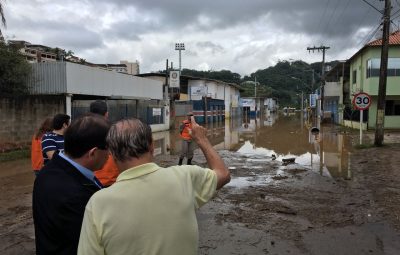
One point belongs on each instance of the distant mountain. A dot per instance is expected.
(284, 81)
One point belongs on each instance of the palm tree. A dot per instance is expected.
(3, 18)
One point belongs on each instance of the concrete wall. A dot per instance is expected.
(370, 85)
(20, 117)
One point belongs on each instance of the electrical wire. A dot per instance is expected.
(333, 13)
(370, 35)
(322, 17)
(365, 1)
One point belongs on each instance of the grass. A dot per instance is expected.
(14, 155)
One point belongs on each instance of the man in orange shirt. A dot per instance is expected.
(109, 173)
(187, 143)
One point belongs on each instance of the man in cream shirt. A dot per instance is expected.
(150, 209)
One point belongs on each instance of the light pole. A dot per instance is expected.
(180, 47)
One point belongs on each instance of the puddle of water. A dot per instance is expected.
(244, 182)
(274, 137)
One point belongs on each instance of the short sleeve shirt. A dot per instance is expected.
(149, 210)
(51, 142)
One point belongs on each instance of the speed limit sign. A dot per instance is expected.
(362, 101)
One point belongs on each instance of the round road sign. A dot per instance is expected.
(362, 101)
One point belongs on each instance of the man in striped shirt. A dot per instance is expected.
(53, 142)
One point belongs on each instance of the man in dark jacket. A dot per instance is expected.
(65, 185)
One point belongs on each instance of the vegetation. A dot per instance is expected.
(223, 75)
(14, 70)
(14, 155)
(284, 81)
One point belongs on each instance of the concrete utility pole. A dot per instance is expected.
(255, 86)
(380, 116)
(166, 81)
(323, 49)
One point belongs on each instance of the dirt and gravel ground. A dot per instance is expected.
(268, 208)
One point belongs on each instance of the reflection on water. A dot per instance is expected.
(276, 136)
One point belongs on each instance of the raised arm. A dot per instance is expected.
(214, 161)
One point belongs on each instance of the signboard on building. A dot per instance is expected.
(174, 79)
(198, 91)
(249, 102)
(313, 100)
(156, 111)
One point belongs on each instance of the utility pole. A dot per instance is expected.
(255, 86)
(323, 49)
(166, 81)
(380, 116)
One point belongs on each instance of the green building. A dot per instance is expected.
(364, 77)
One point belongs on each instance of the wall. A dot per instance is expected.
(370, 85)
(19, 118)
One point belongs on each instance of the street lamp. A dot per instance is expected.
(180, 47)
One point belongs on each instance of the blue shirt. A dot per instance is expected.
(51, 142)
(86, 172)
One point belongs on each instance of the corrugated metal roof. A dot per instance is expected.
(394, 39)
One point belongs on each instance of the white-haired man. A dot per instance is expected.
(149, 209)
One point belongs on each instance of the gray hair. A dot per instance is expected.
(129, 138)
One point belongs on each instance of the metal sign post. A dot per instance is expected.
(361, 101)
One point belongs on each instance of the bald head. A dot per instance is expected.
(129, 138)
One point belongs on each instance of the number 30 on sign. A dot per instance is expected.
(362, 101)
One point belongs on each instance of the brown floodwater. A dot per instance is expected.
(276, 136)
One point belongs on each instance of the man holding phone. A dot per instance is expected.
(185, 131)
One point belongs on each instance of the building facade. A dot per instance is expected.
(364, 77)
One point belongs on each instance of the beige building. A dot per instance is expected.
(34, 53)
(131, 67)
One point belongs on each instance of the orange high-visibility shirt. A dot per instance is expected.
(109, 173)
(36, 154)
(185, 134)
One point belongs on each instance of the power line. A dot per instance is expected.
(333, 13)
(372, 6)
(323, 15)
(345, 8)
(370, 35)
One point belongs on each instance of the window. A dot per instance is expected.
(392, 107)
(354, 76)
(374, 65)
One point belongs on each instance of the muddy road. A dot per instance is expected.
(345, 202)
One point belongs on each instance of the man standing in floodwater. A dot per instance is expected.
(185, 131)
(149, 209)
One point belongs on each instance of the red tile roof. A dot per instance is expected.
(394, 39)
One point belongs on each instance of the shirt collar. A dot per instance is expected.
(86, 172)
(138, 171)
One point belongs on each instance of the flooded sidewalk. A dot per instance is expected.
(289, 193)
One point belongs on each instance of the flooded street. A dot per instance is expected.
(292, 192)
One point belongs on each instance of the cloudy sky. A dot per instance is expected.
(241, 36)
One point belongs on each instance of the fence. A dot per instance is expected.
(149, 111)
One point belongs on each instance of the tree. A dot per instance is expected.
(14, 72)
(3, 19)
